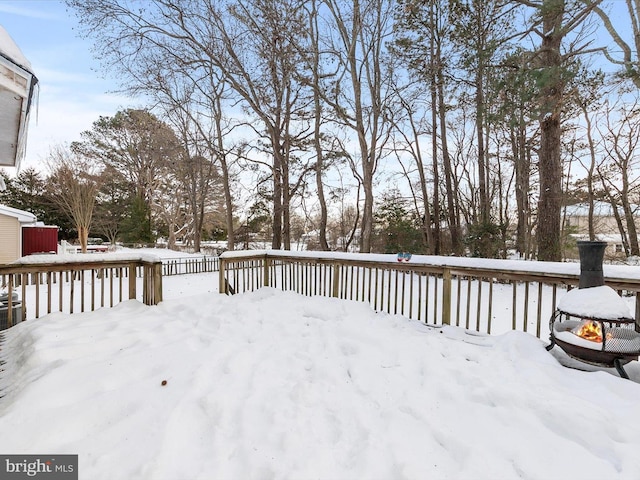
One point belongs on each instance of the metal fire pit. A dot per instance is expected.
(613, 341)
(619, 344)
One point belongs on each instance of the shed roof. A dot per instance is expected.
(21, 215)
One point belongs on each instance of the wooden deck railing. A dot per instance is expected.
(83, 284)
(471, 293)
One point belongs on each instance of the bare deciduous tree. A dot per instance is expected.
(73, 185)
(359, 96)
(619, 174)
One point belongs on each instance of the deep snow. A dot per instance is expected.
(272, 384)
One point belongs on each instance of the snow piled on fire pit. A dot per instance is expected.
(275, 385)
(595, 302)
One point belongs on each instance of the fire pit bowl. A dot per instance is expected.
(594, 325)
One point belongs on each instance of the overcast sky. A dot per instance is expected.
(73, 91)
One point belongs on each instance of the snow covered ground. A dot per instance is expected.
(271, 384)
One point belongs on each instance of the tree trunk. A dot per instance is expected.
(286, 206)
(366, 228)
(629, 217)
(83, 237)
(317, 123)
(549, 159)
(590, 171)
(437, 238)
(452, 211)
(523, 172)
(485, 213)
(550, 203)
(427, 233)
(276, 241)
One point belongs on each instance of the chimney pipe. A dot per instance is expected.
(591, 256)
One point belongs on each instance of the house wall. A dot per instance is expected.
(9, 239)
(605, 226)
(602, 225)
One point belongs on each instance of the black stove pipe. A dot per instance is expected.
(591, 256)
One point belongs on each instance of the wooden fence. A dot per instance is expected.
(187, 265)
(78, 286)
(471, 293)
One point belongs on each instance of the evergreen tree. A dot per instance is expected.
(398, 230)
(136, 226)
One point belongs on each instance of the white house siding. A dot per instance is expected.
(9, 239)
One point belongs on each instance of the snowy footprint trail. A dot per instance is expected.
(272, 384)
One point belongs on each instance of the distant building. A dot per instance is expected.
(576, 220)
(11, 222)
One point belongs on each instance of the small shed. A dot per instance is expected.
(11, 222)
(39, 239)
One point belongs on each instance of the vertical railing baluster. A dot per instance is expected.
(435, 301)
(467, 320)
(410, 294)
(458, 297)
(93, 289)
(375, 294)
(395, 293)
(526, 306)
(25, 279)
(60, 290)
(426, 299)
(539, 315)
(102, 274)
(391, 271)
(49, 292)
(111, 287)
(514, 305)
(419, 306)
(37, 298)
(72, 290)
(82, 299)
(490, 312)
(478, 304)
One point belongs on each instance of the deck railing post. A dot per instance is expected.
(222, 286)
(446, 297)
(266, 266)
(132, 281)
(157, 283)
(335, 291)
(152, 283)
